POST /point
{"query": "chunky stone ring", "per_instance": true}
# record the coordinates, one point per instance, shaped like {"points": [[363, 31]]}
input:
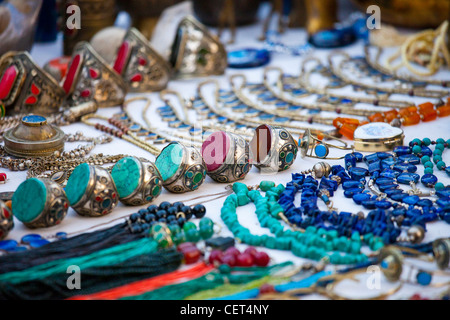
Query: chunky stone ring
{"points": [[39, 203], [91, 191], [272, 149], [182, 168], [26, 88], [6, 220], [226, 156], [140, 66], [138, 182], [89, 78]]}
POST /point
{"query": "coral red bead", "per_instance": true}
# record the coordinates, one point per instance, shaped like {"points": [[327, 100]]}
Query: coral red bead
{"points": [[261, 259], [244, 260], [3, 177], [233, 251], [185, 245], [266, 288], [229, 259], [215, 257], [251, 251], [191, 255]]}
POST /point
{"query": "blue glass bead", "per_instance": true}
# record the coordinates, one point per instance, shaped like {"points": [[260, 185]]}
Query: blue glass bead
{"points": [[358, 173], [383, 181], [388, 173], [406, 178], [350, 161], [350, 192], [38, 243], [388, 163], [402, 167], [383, 204], [411, 200], [383, 155], [352, 184], [402, 150], [385, 187], [8, 244], [248, 58], [426, 151], [371, 158], [336, 168], [324, 182], [410, 158], [30, 237], [399, 211], [425, 203], [61, 235], [444, 193], [374, 166], [429, 180], [359, 156], [369, 204], [343, 175], [423, 278], [360, 197], [390, 192], [399, 196], [443, 203]]}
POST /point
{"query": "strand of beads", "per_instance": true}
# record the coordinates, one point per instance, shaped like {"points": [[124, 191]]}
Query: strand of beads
{"points": [[386, 173], [314, 243], [345, 224], [417, 146]]}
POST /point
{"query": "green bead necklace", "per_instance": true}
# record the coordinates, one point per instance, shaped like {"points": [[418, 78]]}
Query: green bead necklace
{"points": [[314, 243]]}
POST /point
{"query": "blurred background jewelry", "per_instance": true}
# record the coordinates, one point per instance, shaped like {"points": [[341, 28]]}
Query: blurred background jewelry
{"points": [[6, 220], [91, 191], [333, 83], [89, 78], [376, 64], [315, 147], [406, 88], [39, 203], [140, 66], [196, 52], [34, 137], [26, 88]]}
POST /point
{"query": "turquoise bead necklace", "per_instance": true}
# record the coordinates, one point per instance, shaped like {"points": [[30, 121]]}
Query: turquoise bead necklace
{"points": [[314, 243], [439, 147]]}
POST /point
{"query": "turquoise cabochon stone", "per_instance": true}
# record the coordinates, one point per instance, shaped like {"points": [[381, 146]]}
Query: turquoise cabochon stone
{"points": [[169, 160], [77, 183], [126, 174], [28, 201]]}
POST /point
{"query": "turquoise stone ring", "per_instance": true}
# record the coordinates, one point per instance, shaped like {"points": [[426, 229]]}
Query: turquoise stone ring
{"points": [[39, 203], [138, 182], [91, 191], [182, 168]]}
